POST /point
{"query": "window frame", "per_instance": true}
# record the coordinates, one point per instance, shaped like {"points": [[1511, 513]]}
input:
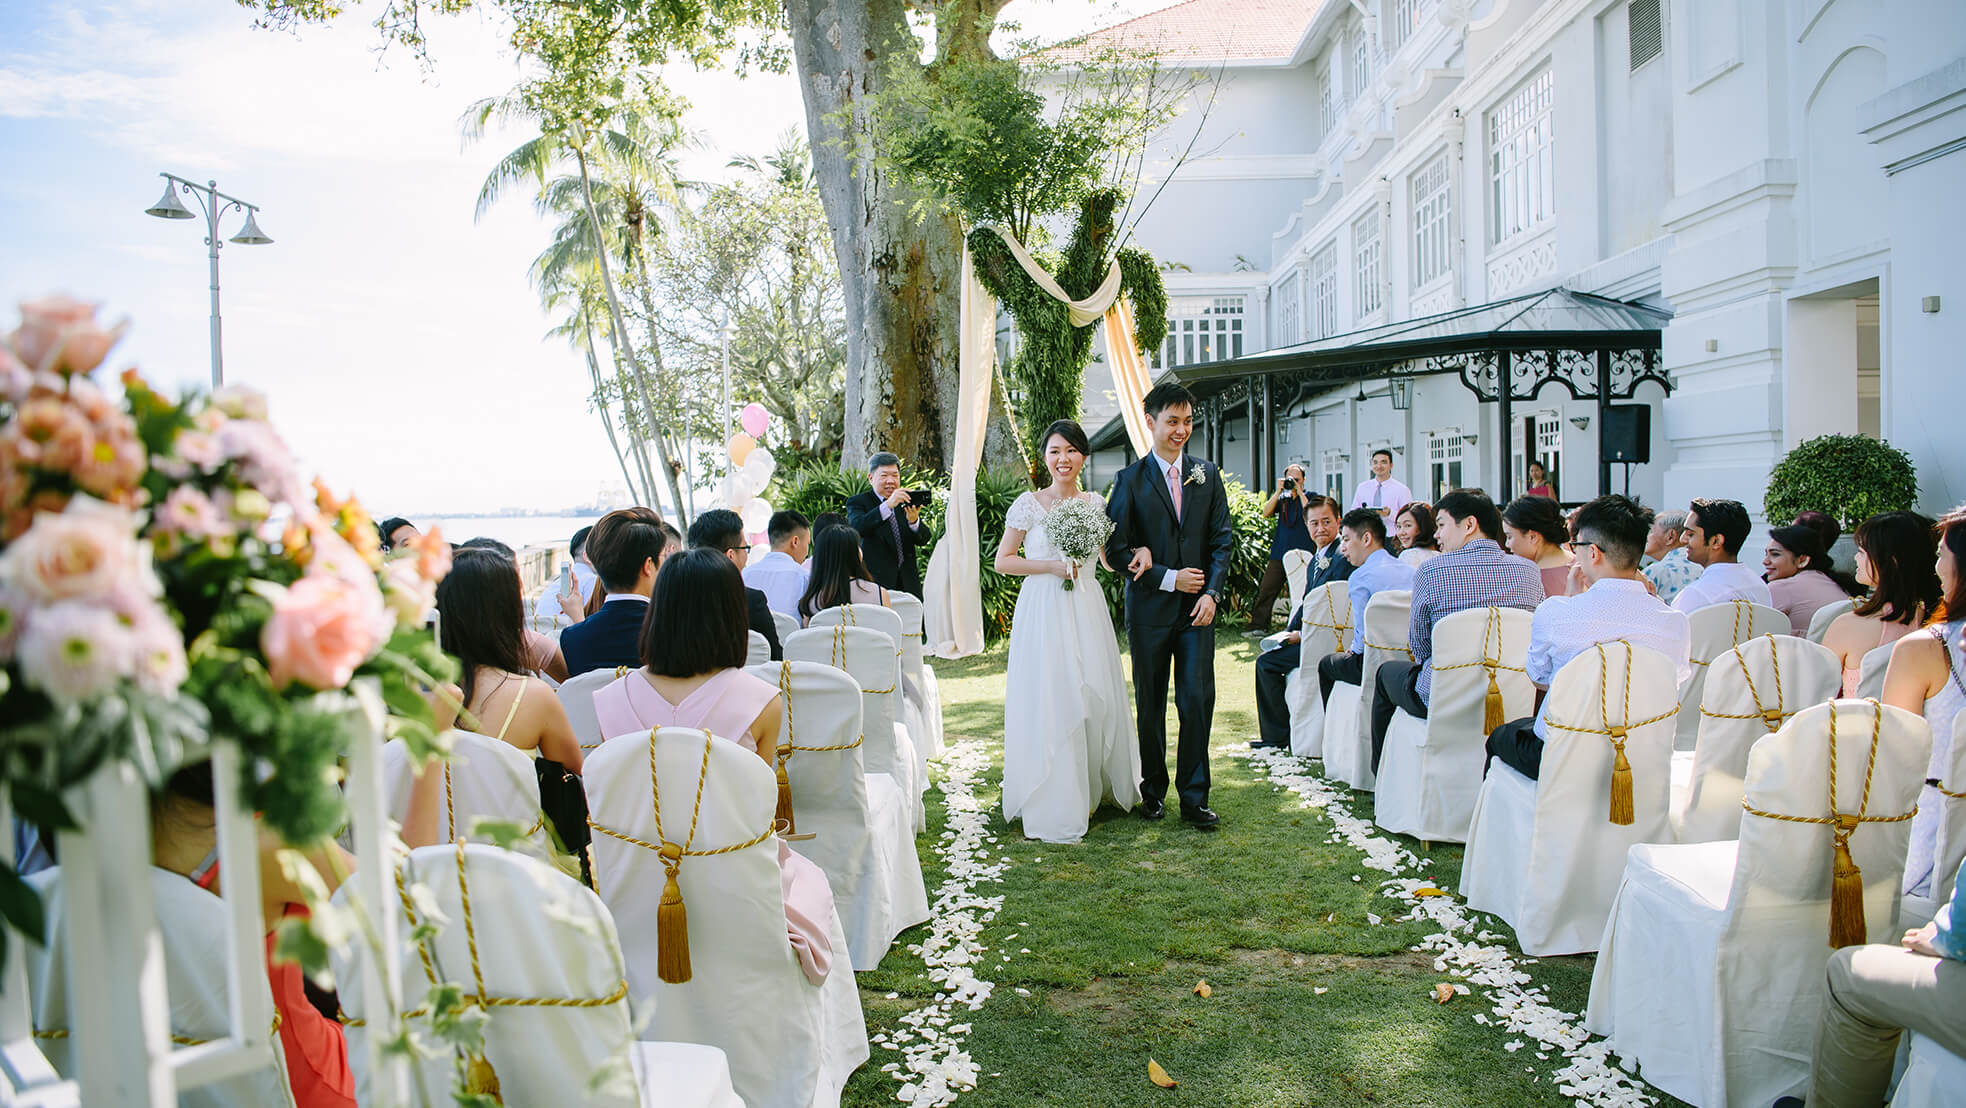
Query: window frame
{"points": [[1368, 264], [1433, 214], [1522, 160]]}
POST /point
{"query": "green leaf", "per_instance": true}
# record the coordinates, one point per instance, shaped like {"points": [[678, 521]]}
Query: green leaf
{"points": [[294, 941], [42, 807], [21, 905]]}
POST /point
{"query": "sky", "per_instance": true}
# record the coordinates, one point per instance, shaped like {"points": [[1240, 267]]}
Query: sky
{"points": [[402, 351]]}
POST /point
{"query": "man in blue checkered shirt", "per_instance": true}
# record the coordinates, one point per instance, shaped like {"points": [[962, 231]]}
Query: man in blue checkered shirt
{"points": [[1471, 572]]}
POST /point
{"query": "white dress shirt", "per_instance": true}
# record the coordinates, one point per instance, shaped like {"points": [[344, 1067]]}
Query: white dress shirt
{"points": [[547, 615], [1390, 494], [782, 579], [1614, 608], [1721, 582], [1177, 473]]}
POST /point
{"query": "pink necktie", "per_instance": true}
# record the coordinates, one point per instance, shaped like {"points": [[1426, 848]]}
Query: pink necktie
{"points": [[1174, 488]]}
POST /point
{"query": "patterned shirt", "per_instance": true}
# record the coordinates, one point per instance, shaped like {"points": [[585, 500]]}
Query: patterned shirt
{"points": [[1477, 575], [1721, 582], [1611, 609], [1381, 572], [1672, 573]]}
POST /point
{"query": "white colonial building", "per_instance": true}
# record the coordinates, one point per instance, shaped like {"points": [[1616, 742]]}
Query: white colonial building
{"points": [[1742, 216]]}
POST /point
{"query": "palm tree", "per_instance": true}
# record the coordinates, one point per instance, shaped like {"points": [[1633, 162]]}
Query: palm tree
{"points": [[622, 139], [581, 297]]}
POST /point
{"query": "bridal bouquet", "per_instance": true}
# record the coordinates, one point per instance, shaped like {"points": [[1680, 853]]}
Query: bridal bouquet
{"points": [[1079, 530]]}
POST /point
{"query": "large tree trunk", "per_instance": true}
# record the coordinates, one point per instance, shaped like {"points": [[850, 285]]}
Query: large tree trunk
{"points": [[902, 280]]}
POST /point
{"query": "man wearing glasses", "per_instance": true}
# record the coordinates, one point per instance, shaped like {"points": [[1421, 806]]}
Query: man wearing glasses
{"points": [[1608, 600]]}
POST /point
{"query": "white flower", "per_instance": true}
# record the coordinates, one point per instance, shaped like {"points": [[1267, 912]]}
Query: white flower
{"points": [[1197, 475], [74, 651]]}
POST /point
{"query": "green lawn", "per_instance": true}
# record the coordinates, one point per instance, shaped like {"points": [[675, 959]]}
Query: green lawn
{"points": [[1121, 927]]}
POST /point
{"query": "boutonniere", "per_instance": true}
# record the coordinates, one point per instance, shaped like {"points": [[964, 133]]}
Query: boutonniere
{"points": [[1323, 562], [1196, 476]]}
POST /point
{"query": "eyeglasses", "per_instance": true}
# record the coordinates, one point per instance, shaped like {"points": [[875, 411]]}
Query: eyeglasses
{"points": [[1573, 545]]}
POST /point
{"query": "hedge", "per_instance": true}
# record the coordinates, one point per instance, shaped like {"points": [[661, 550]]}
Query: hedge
{"points": [[1850, 477]]}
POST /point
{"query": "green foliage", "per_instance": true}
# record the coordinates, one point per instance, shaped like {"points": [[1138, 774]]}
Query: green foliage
{"points": [[1850, 477]]}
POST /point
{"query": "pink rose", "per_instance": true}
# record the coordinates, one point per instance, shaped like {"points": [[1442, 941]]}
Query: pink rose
{"points": [[87, 551], [321, 629], [59, 334]]}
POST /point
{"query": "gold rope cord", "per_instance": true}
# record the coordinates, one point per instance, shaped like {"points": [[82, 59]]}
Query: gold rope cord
{"points": [[1771, 718], [1491, 704], [1846, 893], [450, 807], [1340, 630], [838, 657], [176, 1040], [1740, 606], [1623, 807]]}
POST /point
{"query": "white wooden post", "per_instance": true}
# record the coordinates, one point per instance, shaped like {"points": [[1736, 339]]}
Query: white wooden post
{"points": [[23, 1068], [375, 888]]}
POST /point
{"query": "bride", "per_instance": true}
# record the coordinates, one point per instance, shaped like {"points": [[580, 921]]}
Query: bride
{"points": [[1068, 722]]}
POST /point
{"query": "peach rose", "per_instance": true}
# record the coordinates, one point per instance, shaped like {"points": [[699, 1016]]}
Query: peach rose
{"points": [[87, 551], [59, 334], [321, 630]]}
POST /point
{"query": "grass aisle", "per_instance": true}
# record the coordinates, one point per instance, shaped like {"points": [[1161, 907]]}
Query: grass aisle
{"points": [[1107, 939]]}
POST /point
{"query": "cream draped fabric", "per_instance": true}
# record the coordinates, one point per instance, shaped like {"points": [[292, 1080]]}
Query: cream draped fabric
{"points": [[953, 604]]}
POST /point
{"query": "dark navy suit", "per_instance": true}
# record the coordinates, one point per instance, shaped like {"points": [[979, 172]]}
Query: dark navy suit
{"points": [[608, 638]]}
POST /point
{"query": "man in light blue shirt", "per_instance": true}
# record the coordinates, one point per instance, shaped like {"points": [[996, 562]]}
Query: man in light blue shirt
{"points": [[1362, 540], [782, 574], [1609, 539]]}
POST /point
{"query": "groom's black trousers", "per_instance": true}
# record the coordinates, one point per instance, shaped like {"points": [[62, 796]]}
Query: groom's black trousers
{"points": [[1190, 653]]}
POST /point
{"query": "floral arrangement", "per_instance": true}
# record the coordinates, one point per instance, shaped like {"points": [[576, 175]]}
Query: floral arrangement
{"points": [[166, 582], [1079, 529]]}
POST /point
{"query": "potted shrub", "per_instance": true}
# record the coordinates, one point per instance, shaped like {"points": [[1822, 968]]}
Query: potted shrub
{"points": [[1850, 477]]}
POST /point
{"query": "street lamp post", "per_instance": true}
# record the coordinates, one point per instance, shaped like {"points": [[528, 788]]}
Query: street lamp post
{"points": [[214, 204]]}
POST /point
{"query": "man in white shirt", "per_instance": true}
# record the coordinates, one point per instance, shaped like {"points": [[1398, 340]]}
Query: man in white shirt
{"points": [[782, 574], [1382, 494], [555, 609], [1715, 532], [1610, 537]]}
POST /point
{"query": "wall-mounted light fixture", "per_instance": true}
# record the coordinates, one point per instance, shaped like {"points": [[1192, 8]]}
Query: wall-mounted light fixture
{"points": [[1580, 422], [1713, 346], [1402, 389], [1470, 438], [1929, 305]]}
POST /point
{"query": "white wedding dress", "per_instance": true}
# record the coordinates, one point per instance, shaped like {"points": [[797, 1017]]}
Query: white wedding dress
{"points": [[1068, 737]]}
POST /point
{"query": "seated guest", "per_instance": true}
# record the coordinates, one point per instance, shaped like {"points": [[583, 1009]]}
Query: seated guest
{"points": [[722, 530], [557, 609], [824, 520], [1826, 528], [396, 532], [1715, 533], [1928, 676], [1413, 529], [1363, 539], [1800, 577], [695, 644], [839, 576], [1471, 572], [1896, 560], [782, 574], [627, 547], [540, 653], [480, 608], [1533, 527], [1274, 667], [1666, 563], [1615, 604], [1876, 991], [890, 527]]}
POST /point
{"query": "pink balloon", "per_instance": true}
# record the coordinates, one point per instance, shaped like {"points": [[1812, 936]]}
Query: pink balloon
{"points": [[755, 419]]}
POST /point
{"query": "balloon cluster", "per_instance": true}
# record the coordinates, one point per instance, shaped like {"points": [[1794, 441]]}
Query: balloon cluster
{"points": [[751, 467]]}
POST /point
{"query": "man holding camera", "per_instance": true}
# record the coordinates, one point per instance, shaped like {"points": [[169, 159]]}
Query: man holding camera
{"points": [[1290, 506], [890, 526]]}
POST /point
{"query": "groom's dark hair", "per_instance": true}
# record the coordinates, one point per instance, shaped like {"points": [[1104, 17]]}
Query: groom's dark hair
{"points": [[1366, 521], [1165, 395]]}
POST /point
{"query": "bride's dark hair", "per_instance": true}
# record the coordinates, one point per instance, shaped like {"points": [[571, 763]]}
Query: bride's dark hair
{"points": [[1074, 437]]}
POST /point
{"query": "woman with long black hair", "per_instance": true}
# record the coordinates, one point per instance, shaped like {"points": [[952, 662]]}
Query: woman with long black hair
{"points": [[839, 574]]}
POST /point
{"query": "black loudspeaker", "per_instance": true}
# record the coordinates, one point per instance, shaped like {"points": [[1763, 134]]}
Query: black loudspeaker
{"points": [[1626, 434]]}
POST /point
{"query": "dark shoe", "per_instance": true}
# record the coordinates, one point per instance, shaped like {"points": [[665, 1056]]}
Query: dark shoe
{"points": [[1152, 809], [1788, 1102], [1199, 817], [1259, 744]]}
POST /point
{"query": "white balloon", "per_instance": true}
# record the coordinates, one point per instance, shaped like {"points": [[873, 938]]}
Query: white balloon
{"points": [[730, 493], [755, 513], [763, 461]]}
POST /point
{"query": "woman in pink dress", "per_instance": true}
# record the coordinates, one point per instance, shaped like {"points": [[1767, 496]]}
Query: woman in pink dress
{"points": [[1534, 528], [1800, 578], [694, 644], [1897, 560]]}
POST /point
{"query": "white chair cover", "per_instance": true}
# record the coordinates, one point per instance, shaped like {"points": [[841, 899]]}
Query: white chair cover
{"points": [[1430, 769], [1934, 1077], [1751, 691], [577, 697], [191, 923], [486, 778], [859, 823], [786, 625], [924, 695], [1296, 565], [1543, 854], [1870, 672], [1326, 629], [1717, 629], [529, 932], [790, 1044], [757, 649], [869, 655], [1826, 615], [1950, 850], [1348, 715], [1730, 938]]}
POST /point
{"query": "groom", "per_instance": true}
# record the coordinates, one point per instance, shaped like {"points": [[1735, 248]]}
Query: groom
{"points": [[1171, 531]]}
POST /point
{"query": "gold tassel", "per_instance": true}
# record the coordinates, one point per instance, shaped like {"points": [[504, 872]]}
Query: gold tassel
{"points": [[1846, 891], [480, 1079], [672, 923], [1491, 705], [784, 811], [1623, 812]]}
